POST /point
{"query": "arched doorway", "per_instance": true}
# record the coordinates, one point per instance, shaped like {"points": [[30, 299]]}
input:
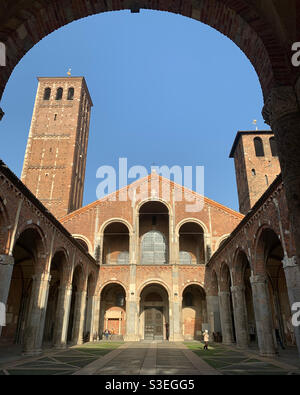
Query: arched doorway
{"points": [[154, 313], [113, 311], [194, 314], [115, 244], [26, 252], [154, 233], [191, 244]]}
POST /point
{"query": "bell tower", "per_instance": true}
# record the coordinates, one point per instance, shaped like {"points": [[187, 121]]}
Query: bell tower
{"points": [[256, 165], [55, 158]]}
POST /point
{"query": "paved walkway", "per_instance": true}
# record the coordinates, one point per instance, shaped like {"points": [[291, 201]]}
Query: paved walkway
{"points": [[150, 358]]}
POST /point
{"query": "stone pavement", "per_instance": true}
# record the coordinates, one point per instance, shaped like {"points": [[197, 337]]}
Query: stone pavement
{"points": [[150, 358]]}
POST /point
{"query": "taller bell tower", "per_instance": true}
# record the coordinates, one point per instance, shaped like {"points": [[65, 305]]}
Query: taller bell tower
{"points": [[55, 158]]}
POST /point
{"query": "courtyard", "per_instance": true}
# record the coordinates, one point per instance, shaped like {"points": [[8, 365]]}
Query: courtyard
{"points": [[150, 358]]}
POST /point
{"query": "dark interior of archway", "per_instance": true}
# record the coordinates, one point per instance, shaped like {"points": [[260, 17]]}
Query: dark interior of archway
{"points": [[278, 293], [24, 253], [191, 244], [116, 244], [76, 285], [57, 263], [194, 312]]}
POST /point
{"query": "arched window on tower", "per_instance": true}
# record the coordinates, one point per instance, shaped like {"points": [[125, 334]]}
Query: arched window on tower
{"points": [[59, 94], [273, 146], [259, 147], [47, 93], [70, 93]]}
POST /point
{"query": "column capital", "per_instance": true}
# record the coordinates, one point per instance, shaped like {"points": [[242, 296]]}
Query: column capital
{"points": [[238, 287], [223, 293], [289, 262], [6, 260], [258, 279], [282, 101]]}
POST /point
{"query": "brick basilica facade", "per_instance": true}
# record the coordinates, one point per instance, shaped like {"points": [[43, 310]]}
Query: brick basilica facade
{"points": [[145, 268]]}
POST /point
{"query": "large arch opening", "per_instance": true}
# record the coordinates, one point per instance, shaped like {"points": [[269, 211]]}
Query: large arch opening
{"points": [[243, 23], [191, 244], [27, 250], [154, 313], [154, 233], [194, 312], [115, 244], [113, 312], [270, 256]]}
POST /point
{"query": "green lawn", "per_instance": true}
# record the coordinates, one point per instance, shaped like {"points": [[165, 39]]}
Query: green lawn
{"points": [[231, 362], [63, 362]]}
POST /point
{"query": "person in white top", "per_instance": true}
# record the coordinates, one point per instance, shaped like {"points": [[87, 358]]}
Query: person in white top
{"points": [[206, 339]]}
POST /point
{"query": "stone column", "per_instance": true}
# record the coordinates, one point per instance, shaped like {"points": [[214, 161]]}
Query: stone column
{"points": [[132, 300], [94, 336], [33, 335], [79, 314], [292, 276], [263, 315], [282, 113], [175, 308], [240, 316], [213, 313], [6, 269], [225, 315], [62, 316]]}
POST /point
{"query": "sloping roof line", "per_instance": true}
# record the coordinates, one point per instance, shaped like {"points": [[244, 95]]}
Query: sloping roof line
{"points": [[172, 183]]}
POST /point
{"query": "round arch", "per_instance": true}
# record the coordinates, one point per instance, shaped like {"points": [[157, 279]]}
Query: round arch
{"points": [[115, 220], [194, 220], [85, 240], [259, 247], [221, 240], [196, 283], [154, 199], [240, 21], [154, 281], [35, 228], [111, 282]]}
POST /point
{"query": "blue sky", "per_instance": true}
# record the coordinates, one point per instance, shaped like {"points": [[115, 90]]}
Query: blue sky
{"points": [[166, 89]]}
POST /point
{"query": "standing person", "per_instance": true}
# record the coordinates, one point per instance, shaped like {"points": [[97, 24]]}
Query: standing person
{"points": [[206, 339], [167, 331], [106, 333]]}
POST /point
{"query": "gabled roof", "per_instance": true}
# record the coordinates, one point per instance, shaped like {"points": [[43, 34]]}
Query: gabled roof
{"points": [[162, 179]]}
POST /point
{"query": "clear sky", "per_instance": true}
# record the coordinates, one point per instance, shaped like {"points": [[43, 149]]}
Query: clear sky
{"points": [[166, 89]]}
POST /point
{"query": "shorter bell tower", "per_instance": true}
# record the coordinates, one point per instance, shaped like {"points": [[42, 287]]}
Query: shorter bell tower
{"points": [[256, 165]]}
